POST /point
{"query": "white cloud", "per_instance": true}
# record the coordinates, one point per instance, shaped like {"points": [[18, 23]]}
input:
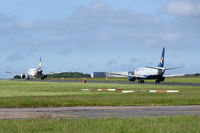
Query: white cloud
{"points": [[15, 57], [97, 25], [183, 7], [20, 26], [170, 37], [112, 62]]}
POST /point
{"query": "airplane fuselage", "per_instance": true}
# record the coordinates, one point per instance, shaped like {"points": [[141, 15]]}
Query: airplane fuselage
{"points": [[33, 72], [148, 73]]}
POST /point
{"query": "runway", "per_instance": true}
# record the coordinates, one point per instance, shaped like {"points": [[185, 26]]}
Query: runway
{"points": [[123, 82], [98, 112]]}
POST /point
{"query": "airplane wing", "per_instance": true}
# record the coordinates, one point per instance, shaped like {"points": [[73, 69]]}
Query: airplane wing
{"points": [[158, 68], [173, 68], [14, 72], [118, 74], [173, 75], [161, 68]]}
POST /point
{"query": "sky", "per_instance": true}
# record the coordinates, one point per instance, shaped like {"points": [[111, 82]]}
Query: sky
{"points": [[99, 35]]}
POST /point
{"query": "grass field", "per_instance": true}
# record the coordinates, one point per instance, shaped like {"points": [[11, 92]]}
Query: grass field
{"points": [[194, 79], [48, 94], [175, 124], [183, 80]]}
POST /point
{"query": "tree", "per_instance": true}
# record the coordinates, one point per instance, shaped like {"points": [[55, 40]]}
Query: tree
{"points": [[17, 77], [69, 75]]}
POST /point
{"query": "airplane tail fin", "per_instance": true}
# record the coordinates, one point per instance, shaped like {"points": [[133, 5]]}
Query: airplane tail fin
{"points": [[40, 63], [162, 59]]}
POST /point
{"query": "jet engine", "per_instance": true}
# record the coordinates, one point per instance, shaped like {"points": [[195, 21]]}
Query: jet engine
{"points": [[23, 76], [131, 78]]}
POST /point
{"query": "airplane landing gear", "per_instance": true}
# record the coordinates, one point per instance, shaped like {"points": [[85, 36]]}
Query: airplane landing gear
{"points": [[157, 81], [28, 78], [141, 81]]}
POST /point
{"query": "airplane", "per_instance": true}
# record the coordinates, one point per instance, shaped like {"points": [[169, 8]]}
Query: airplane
{"points": [[32, 73], [149, 72]]}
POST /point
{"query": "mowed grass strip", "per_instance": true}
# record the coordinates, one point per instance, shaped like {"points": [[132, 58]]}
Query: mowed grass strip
{"points": [[175, 124], [192, 79], [49, 94]]}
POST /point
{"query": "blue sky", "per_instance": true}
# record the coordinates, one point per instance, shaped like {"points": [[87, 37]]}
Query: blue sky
{"points": [[99, 35]]}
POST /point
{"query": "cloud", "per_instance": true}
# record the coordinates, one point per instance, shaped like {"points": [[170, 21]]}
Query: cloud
{"points": [[15, 57], [19, 26], [135, 60], [112, 62], [183, 7], [9, 23], [99, 26], [171, 36], [90, 27]]}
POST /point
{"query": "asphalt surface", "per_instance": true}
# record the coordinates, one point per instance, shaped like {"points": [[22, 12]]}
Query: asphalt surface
{"points": [[122, 82], [98, 112]]}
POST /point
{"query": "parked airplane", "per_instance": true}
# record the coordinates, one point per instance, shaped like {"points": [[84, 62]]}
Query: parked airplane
{"points": [[149, 72], [33, 72]]}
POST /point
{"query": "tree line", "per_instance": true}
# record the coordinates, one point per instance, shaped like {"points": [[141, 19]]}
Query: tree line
{"points": [[69, 75]]}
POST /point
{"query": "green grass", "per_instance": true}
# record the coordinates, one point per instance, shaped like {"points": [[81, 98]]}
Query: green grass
{"points": [[175, 124], [184, 80], [194, 79], [48, 94]]}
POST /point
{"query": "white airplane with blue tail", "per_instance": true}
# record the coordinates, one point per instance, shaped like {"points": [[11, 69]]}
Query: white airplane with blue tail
{"points": [[151, 73]]}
